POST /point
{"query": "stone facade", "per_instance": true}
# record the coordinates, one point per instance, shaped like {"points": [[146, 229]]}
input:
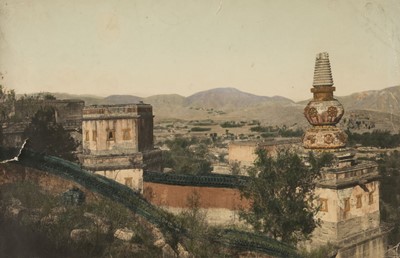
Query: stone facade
{"points": [[118, 142]]}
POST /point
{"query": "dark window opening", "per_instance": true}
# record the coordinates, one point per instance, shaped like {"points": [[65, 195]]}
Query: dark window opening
{"points": [[110, 135]]}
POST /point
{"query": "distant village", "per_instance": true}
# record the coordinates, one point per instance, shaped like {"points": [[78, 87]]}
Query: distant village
{"points": [[168, 162]]}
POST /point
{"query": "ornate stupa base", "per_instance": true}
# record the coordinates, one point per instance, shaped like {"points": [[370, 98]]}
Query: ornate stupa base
{"points": [[324, 137], [343, 157]]}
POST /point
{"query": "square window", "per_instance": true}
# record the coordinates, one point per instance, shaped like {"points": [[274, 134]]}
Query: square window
{"points": [[371, 198], [359, 201], [346, 204], [94, 135], [110, 135], [323, 204], [86, 136], [126, 134]]}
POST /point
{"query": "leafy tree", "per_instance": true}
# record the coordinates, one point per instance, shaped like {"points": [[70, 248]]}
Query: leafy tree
{"points": [[281, 191], [187, 156], [291, 133], [7, 100], [389, 169], [376, 138], [200, 129], [235, 168], [49, 96], [230, 124], [45, 135], [261, 129], [324, 251]]}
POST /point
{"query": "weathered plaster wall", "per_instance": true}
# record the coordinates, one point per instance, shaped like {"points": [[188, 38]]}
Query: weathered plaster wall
{"points": [[214, 216], [176, 196], [100, 144], [132, 178], [336, 202], [374, 247], [243, 153]]}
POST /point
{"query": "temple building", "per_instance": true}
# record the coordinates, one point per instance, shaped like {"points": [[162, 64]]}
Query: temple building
{"points": [[118, 142], [348, 191], [243, 153]]}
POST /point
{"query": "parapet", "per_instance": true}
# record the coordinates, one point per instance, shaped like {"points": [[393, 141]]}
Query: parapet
{"points": [[97, 112]]}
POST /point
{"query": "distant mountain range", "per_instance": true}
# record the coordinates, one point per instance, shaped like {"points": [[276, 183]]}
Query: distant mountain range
{"points": [[230, 103]]}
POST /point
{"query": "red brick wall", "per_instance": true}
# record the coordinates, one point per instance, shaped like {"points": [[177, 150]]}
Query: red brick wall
{"points": [[177, 196], [12, 173]]}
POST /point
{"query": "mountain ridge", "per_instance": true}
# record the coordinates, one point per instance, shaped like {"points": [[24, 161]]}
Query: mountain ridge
{"points": [[230, 103]]}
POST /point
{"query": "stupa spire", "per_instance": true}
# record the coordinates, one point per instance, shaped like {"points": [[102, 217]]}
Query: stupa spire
{"points": [[322, 71]]}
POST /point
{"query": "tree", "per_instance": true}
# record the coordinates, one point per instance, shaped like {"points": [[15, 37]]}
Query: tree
{"points": [[7, 100], [389, 169], [281, 191], [187, 156], [45, 135]]}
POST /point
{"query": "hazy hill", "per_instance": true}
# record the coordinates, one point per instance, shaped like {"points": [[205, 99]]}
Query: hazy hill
{"points": [[121, 99], [382, 106], [386, 100], [167, 106], [165, 100], [228, 99]]}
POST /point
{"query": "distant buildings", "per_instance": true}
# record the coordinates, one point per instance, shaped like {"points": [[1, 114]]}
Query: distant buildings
{"points": [[243, 153]]}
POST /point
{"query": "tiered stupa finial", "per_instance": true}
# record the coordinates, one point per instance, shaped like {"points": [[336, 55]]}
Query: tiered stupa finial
{"points": [[322, 71], [324, 111]]}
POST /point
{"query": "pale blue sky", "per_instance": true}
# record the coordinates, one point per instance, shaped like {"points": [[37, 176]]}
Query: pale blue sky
{"points": [[146, 47]]}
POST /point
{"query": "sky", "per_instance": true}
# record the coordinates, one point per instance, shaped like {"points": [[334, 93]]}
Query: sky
{"points": [[147, 47]]}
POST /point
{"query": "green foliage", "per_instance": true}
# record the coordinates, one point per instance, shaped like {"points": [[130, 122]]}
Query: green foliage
{"points": [[389, 168], [230, 124], [38, 96], [193, 219], [270, 131], [235, 168], [57, 221], [260, 129], [7, 100], [290, 133], [268, 135], [29, 194], [202, 123], [380, 139], [188, 156], [325, 251], [48, 96], [126, 197], [45, 135], [200, 129], [281, 190]]}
